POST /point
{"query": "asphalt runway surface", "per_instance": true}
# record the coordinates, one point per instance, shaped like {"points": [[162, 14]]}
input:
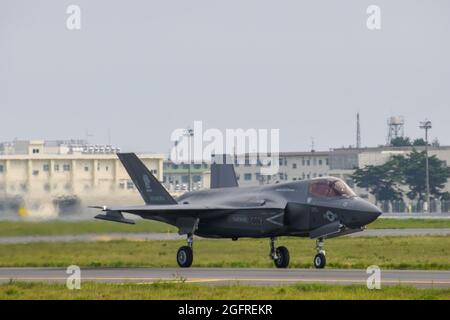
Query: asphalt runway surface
{"points": [[220, 276], [175, 236]]}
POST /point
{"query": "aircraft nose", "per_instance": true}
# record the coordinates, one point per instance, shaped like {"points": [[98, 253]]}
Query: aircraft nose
{"points": [[370, 213], [365, 212]]}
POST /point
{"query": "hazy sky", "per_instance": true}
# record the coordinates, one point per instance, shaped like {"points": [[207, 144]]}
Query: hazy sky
{"points": [[140, 69]]}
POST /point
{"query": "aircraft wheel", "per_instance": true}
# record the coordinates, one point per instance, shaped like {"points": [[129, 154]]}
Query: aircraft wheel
{"points": [[185, 256], [320, 261], [282, 260]]}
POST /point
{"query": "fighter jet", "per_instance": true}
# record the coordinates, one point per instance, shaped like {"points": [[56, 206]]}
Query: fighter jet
{"points": [[320, 209]]}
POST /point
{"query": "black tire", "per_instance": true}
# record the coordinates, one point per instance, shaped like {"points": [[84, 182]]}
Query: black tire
{"points": [[282, 260], [185, 256], [320, 261]]}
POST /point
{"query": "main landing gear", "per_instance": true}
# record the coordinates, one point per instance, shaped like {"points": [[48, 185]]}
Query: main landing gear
{"points": [[185, 254], [280, 255], [319, 260]]}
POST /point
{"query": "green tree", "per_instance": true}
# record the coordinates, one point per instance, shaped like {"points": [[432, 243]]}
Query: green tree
{"points": [[412, 168], [419, 142], [382, 181], [401, 142]]}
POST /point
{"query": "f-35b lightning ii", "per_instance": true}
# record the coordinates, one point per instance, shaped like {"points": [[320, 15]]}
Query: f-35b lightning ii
{"points": [[320, 209]]}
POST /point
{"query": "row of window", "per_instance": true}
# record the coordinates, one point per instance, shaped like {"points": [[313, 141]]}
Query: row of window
{"points": [[184, 179], [24, 187], [247, 162], [280, 176], [284, 162], [186, 166], [307, 162], [45, 167], [65, 167], [126, 185], [68, 186]]}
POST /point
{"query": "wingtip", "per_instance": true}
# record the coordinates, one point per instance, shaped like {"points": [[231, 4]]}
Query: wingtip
{"points": [[103, 208]]}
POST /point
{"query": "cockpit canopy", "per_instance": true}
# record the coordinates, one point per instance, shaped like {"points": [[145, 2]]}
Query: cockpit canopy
{"points": [[330, 188]]}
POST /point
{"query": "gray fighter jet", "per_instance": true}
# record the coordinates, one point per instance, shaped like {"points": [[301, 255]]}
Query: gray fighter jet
{"points": [[320, 208]]}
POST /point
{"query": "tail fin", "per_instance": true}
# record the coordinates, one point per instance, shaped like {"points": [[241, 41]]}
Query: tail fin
{"points": [[223, 175], [151, 190]]}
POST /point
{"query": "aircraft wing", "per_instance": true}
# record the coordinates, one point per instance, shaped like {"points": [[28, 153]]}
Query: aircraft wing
{"points": [[184, 216], [193, 210]]}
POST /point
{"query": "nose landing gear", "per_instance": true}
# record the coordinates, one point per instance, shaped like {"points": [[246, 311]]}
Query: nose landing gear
{"points": [[280, 255], [319, 260], [185, 254]]}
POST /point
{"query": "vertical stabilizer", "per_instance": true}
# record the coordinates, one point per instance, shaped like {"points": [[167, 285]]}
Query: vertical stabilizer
{"points": [[151, 190], [223, 175]]}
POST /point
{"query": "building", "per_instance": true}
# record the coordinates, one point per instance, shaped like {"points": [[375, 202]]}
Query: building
{"points": [[45, 170], [176, 176], [292, 166]]}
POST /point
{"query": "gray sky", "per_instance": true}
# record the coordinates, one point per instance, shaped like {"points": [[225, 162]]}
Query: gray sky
{"points": [[140, 69]]}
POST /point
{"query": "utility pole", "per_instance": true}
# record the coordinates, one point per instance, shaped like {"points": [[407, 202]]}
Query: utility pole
{"points": [[358, 132], [189, 133], [426, 125]]}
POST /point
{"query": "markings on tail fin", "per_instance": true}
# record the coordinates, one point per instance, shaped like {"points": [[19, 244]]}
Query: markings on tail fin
{"points": [[147, 183], [151, 190]]}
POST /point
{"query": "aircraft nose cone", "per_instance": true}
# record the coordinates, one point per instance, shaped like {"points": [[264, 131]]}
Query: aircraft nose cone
{"points": [[370, 214]]}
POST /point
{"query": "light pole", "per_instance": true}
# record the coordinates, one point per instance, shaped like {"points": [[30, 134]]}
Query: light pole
{"points": [[189, 133], [426, 125]]}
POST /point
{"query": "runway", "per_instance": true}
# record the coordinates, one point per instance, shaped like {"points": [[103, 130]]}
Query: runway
{"points": [[175, 236], [220, 276]]}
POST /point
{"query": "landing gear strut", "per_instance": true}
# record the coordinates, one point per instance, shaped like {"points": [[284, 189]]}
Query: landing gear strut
{"points": [[185, 254], [280, 255], [320, 260]]}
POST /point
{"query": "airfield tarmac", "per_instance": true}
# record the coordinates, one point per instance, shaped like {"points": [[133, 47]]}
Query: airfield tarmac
{"points": [[221, 276]]}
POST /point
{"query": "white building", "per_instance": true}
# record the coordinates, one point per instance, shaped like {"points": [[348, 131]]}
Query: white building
{"points": [[41, 170], [292, 166], [176, 176]]}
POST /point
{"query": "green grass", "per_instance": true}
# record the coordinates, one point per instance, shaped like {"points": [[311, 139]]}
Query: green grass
{"points": [[409, 223], [425, 252], [48, 228], [58, 227], [175, 291]]}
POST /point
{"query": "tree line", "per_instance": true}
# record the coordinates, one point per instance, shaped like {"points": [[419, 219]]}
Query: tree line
{"points": [[387, 181]]}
